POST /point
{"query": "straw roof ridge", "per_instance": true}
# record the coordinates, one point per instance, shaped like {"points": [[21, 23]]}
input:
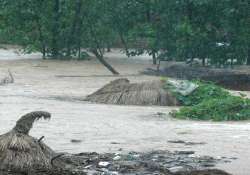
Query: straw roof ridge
{"points": [[20, 152], [25, 123]]}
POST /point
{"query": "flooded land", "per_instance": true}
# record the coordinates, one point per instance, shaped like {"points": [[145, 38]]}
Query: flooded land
{"points": [[59, 87]]}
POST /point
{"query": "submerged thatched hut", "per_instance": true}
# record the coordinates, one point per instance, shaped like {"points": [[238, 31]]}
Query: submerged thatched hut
{"points": [[20, 152], [122, 92]]}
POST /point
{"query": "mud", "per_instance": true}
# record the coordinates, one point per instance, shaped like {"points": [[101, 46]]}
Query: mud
{"points": [[59, 86]]}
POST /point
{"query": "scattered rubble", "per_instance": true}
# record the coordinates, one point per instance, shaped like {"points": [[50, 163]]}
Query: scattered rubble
{"points": [[156, 162]]}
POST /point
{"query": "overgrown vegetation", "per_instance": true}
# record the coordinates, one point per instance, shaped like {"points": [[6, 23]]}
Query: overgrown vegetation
{"points": [[211, 102]]}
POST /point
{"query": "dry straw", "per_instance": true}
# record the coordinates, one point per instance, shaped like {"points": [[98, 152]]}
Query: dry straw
{"points": [[20, 152], [122, 92]]}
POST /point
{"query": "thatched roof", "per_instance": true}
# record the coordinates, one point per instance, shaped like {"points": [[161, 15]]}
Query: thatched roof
{"points": [[20, 152], [122, 92]]}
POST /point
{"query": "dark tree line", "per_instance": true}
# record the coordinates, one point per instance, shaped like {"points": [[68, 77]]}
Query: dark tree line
{"points": [[216, 32]]}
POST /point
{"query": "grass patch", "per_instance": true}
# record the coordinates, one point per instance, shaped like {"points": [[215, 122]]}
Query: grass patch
{"points": [[211, 102]]}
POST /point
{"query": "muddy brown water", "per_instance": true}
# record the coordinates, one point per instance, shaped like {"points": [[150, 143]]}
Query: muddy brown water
{"points": [[42, 85]]}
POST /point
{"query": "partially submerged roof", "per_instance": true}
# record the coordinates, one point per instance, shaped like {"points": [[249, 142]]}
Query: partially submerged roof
{"points": [[20, 152], [122, 92]]}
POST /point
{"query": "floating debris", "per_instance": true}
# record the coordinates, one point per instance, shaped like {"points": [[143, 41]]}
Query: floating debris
{"points": [[8, 79], [186, 142]]}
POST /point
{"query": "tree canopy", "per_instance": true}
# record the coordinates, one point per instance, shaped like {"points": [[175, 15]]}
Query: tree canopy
{"points": [[217, 32]]}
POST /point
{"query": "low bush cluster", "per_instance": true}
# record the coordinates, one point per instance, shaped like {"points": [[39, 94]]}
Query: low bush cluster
{"points": [[211, 102]]}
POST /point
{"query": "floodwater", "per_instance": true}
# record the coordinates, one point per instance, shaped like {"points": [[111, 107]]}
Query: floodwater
{"points": [[60, 86]]}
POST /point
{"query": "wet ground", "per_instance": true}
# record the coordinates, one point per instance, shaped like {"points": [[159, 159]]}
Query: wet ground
{"points": [[77, 126]]}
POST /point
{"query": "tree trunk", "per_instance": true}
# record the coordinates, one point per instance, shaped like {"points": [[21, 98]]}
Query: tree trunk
{"points": [[154, 58], [79, 30], [98, 52], [108, 47], [188, 53], [55, 30], [248, 56], [42, 41], [77, 16], [148, 11], [79, 52], [124, 44], [120, 33], [38, 21], [203, 62], [44, 52], [104, 62]]}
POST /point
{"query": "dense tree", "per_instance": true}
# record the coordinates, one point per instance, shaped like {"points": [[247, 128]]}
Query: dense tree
{"points": [[217, 32]]}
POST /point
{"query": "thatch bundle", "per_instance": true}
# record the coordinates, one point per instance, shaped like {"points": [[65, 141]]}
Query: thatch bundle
{"points": [[121, 91], [20, 152]]}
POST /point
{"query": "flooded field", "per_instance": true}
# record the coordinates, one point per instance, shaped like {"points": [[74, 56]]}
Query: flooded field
{"points": [[60, 86]]}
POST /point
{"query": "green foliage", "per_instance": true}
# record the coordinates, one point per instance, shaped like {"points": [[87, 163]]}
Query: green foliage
{"points": [[211, 102], [218, 31], [204, 92], [218, 109]]}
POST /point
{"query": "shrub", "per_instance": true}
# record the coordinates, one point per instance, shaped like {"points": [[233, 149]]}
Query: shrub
{"points": [[224, 109], [211, 102], [205, 91]]}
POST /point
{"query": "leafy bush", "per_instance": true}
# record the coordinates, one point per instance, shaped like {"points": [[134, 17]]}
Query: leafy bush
{"points": [[205, 91], [211, 102], [228, 108]]}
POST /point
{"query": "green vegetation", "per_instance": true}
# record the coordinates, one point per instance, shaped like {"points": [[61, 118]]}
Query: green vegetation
{"points": [[216, 32], [205, 91], [225, 109], [211, 102]]}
